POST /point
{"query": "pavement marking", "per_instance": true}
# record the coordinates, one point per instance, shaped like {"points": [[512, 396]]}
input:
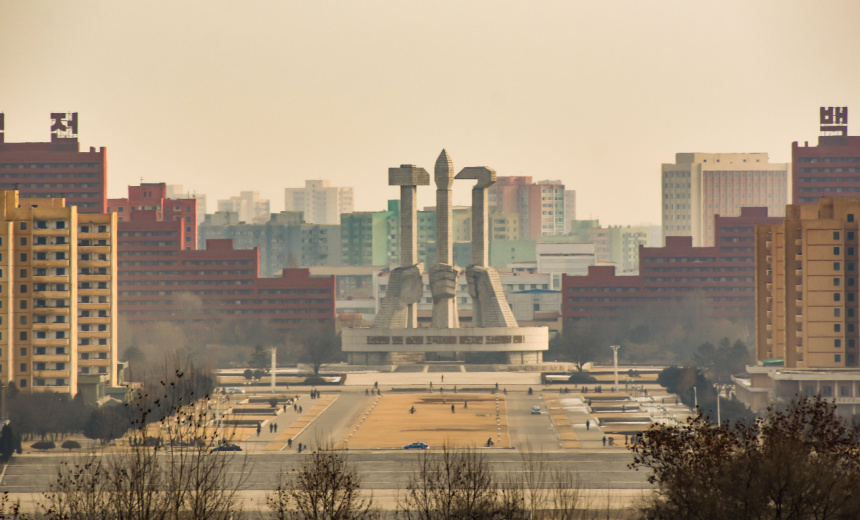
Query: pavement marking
{"points": [[301, 423]]}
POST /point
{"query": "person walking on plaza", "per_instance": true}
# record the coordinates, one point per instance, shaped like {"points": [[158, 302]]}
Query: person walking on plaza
{"points": [[604, 440], [587, 425], [452, 408], [259, 428], [289, 443]]}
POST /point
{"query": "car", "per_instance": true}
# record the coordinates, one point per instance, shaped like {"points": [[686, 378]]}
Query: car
{"points": [[226, 447], [417, 446], [536, 410], [233, 390]]}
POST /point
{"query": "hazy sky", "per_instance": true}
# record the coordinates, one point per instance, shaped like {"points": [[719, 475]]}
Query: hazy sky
{"points": [[223, 96]]}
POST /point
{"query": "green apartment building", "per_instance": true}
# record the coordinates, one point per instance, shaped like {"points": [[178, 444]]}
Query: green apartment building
{"points": [[371, 237]]}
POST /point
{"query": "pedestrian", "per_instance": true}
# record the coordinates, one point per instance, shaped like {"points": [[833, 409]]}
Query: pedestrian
{"points": [[441, 390], [285, 407], [443, 378], [295, 407], [431, 385], [587, 425], [289, 443], [300, 409], [623, 408], [452, 408], [505, 391], [625, 439], [455, 389], [497, 386], [465, 404], [530, 390], [276, 427], [259, 428], [612, 441], [366, 392], [375, 384], [604, 440], [271, 427]]}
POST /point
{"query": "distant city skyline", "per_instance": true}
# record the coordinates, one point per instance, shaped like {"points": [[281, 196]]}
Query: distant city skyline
{"points": [[261, 97]]}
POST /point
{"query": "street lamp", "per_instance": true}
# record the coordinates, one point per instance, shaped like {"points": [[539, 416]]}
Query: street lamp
{"points": [[615, 361]]}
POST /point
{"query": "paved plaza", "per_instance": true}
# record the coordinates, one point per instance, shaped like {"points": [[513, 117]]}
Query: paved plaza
{"points": [[369, 416]]}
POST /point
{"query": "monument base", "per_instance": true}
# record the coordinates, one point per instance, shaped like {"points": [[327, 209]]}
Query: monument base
{"points": [[514, 345]]}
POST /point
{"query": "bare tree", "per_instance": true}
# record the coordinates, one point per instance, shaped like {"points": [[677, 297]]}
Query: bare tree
{"points": [[326, 486], [318, 345], [167, 470], [457, 484]]}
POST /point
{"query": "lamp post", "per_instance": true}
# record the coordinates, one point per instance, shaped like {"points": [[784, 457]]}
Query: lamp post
{"points": [[615, 362], [274, 367], [695, 397]]}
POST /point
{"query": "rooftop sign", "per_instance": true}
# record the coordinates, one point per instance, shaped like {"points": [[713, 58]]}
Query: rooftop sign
{"points": [[834, 119]]}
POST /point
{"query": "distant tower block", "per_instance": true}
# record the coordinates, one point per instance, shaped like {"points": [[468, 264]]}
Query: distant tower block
{"points": [[401, 298]]}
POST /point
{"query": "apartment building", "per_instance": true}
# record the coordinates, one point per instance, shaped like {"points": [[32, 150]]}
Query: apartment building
{"points": [[59, 301], [320, 202], [699, 186], [56, 169]]}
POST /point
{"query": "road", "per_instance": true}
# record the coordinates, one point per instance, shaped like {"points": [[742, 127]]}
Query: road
{"points": [[379, 470]]}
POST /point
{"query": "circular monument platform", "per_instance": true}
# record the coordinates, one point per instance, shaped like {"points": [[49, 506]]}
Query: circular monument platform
{"points": [[521, 345]]}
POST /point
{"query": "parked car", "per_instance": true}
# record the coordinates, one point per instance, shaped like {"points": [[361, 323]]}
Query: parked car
{"points": [[416, 446], [536, 410], [226, 447], [233, 390]]}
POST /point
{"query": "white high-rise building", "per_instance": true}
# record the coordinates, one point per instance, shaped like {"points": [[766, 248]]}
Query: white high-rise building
{"points": [[178, 191], [250, 207], [320, 202], [700, 185]]}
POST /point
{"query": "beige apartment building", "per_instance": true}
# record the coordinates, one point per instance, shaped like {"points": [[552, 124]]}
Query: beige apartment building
{"points": [[807, 286], [699, 186], [58, 294]]}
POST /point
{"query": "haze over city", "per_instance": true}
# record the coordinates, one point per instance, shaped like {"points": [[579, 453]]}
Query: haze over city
{"points": [[220, 96]]}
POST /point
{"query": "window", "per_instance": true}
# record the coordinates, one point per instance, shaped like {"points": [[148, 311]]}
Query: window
{"points": [[23, 304], [844, 391], [23, 367], [23, 383], [837, 327], [23, 241], [837, 343], [850, 313], [837, 297], [827, 390], [837, 312], [22, 335], [24, 226], [836, 250], [836, 282], [850, 251], [23, 289], [851, 297], [23, 257], [837, 358], [836, 235], [836, 266], [851, 217], [850, 327], [850, 235]]}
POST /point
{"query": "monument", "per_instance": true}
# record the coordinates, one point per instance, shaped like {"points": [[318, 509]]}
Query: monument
{"points": [[395, 337]]}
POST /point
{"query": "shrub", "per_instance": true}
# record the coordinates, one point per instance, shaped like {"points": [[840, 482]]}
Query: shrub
{"points": [[314, 380], [249, 374], [581, 377], [43, 445], [71, 445], [273, 402]]}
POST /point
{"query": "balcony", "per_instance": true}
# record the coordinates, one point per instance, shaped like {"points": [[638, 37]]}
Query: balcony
{"points": [[51, 342], [51, 311], [52, 295], [51, 358], [48, 248], [51, 373], [51, 263], [51, 326], [51, 279], [94, 249], [39, 232]]}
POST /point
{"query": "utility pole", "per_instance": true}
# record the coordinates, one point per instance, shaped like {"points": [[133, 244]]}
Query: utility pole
{"points": [[615, 361], [274, 367]]}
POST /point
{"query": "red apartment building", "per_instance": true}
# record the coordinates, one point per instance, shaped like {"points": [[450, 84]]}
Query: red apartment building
{"points": [[157, 264], [151, 202], [831, 169], [724, 274], [56, 169]]}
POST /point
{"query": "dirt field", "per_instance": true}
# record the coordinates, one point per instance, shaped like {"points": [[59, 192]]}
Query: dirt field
{"points": [[388, 424]]}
